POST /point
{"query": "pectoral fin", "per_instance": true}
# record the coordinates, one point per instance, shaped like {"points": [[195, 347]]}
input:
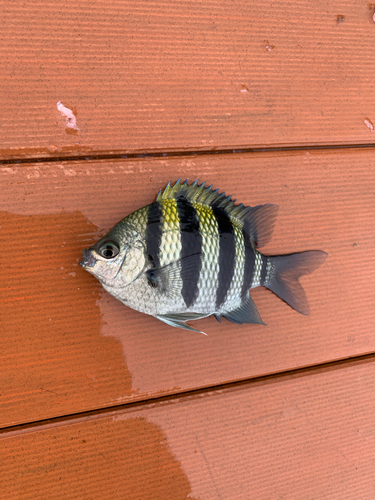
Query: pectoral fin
{"points": [[168, 279]]}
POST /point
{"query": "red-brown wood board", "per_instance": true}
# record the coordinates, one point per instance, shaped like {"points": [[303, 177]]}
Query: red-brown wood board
{"points": [[150, 75], [98, 401], [67, 346], [310, 435]]}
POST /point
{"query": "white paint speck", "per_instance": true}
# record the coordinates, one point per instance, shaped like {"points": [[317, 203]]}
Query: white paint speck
{"points": [[269, 46], [369, 124], [68, 172], [70, 119], [33, 173], [8, 170]]}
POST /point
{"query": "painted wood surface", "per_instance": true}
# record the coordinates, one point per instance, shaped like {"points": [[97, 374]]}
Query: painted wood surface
{"points": [[310, 435], [84, 78], [99, 401], [68, 346]]}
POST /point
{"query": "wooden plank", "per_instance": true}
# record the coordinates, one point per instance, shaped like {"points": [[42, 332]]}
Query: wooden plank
{"points": [[142, 76], [68, 346], [298, 437]]}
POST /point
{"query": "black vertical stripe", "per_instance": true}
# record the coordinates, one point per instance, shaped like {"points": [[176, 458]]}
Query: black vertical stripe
{"points": [[263, 272], [153, 233], [191, 250], [227, 254], [249, 265]]}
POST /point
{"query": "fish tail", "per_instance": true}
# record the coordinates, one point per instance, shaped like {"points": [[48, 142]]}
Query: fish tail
{"points": [[284, 273]]}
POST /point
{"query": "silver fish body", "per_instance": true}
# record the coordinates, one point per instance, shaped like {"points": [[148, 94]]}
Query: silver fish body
{"points": [[193, 253]]}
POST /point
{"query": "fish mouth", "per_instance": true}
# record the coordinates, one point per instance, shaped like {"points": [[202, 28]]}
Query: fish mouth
{"points": [[88, 260]]}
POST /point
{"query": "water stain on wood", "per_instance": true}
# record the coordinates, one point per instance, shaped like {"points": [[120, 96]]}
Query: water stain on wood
{"points": [[51, 321], [97, 459]]}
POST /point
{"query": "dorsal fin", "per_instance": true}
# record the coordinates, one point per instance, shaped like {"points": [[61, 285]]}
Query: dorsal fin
{"points": [[258, 222], [196, 193]]}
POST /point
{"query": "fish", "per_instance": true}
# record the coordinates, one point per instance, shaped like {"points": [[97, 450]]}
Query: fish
{"points": [[194, 253]]}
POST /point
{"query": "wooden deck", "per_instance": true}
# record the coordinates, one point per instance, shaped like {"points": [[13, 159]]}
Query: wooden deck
{"points": [[101, 105]]}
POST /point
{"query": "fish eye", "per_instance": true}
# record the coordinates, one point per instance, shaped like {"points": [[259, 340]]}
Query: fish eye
{"points": [[109, 249]]}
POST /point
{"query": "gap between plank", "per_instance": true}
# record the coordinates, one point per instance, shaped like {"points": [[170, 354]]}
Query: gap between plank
{"points": [[181, 153], [185, 395]]}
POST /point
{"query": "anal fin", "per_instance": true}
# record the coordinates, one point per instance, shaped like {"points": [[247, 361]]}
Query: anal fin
{"points": [[246, 313]]}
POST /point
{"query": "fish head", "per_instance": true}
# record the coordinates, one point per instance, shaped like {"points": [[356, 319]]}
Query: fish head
{"points": [[117, 259]]}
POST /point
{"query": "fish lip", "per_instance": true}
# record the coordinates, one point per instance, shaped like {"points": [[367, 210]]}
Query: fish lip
{"points": [[88, 260]]}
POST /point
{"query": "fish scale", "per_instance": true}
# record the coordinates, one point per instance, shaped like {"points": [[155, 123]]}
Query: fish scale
{"points": [[193, 253], [257, 270], [233, 298], [170, 247], [210, 253]]}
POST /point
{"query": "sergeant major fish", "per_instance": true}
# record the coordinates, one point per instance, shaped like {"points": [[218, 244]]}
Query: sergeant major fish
{"points": [[193, 253]]}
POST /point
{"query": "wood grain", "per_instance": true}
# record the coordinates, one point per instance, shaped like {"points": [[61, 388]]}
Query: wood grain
{"points": [[161, 76], [305, 436], [67, 346]]}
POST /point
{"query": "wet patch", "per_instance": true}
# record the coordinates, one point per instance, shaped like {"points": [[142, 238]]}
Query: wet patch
{"points": [[54, 358]]}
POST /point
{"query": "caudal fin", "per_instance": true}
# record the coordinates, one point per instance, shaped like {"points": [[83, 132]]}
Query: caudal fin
{"points": [[285, 270]]}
